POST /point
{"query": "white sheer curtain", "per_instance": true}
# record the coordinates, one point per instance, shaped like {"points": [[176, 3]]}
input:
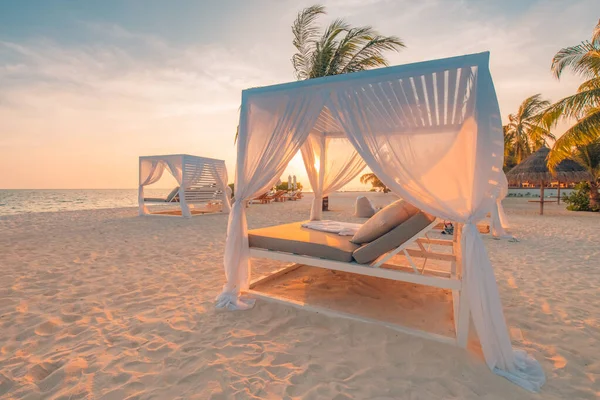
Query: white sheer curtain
{"points": [[437, 142], [499, 222], [220, 175], [273, 127], [331, 162], [175, 164], [150, 172]]}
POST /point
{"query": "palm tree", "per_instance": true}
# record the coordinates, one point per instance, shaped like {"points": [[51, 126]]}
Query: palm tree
{"points": [[340, 49], [584, 106], [509, 154], [374, 181], [589, 157], [523, 133]]}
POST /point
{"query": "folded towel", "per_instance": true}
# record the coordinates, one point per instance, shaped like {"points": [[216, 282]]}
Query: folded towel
{"points": [[341, 228]]}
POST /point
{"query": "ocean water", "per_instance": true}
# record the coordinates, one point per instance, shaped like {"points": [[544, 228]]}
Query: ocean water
{"points": [[17, 201]]}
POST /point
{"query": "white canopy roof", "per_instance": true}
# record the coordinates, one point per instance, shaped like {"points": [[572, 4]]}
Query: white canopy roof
{"points": [[426, 96], [431, 131]]}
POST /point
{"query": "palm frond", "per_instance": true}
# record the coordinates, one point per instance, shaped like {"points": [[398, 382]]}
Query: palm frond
{"points": [[596, 34], [573, 106], [526, 132], [588, 156], [585, 131], [581, 59], [366, 178], [590, 84], [538, 135], [305, 34], [326, 49], [339, 49], [371, 54], [348, 46]]}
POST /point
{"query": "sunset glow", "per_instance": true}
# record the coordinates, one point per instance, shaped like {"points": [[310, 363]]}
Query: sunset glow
{"points": [[86, 91]]}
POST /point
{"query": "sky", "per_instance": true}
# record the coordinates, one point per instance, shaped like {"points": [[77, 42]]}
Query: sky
{"points": [[86, 87]]}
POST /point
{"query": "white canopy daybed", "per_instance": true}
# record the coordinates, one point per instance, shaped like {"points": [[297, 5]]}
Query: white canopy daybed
{"points": [[201, 181], [431, 131]]}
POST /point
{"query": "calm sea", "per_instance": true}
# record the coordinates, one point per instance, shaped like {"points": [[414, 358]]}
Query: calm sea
{"points": [[16, 201]]}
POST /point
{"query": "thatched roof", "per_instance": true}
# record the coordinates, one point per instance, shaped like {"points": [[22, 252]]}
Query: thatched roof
{"points": [[534, 169]]}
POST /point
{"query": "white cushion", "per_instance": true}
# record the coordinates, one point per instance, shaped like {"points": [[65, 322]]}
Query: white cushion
{"points": [[384, 221], [363, 207]]}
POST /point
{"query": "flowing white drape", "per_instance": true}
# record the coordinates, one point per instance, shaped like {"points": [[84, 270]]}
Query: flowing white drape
{"points": [[331, 162], [150, 172], [220, 175], [499, 222], [279, 125], [449, 172], [175, 165]]}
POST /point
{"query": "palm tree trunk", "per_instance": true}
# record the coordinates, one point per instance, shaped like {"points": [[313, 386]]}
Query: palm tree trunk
{"points": [[542, 198], [594, 195]]}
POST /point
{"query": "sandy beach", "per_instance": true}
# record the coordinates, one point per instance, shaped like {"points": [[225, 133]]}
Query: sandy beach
{"points": [[104, 304]]}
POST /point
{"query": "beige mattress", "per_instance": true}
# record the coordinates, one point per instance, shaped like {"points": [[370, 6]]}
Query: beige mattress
{"points": [[293, 238]]}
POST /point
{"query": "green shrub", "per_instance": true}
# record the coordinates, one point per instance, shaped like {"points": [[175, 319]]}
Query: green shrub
{"points": [[579, 199], [284, 186]]}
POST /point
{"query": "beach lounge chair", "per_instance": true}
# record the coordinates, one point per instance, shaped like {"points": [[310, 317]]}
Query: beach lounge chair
{"points": [[172, 197], [262, 199], [279, 196], [303, 246], [293, 195], [290, 196]]}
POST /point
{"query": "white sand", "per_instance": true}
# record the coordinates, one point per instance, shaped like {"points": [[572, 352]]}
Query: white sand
{"points": [[104, 304]]}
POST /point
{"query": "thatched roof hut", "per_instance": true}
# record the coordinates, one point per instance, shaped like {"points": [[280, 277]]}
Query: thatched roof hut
{"points": [[535, 170]]}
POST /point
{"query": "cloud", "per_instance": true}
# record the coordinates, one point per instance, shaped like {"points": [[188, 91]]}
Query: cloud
{"points": [[82, 111], [97, 103]]}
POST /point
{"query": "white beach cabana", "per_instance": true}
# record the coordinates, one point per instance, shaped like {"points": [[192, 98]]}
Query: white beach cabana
{"points": [[431, 131], [202, 182]]}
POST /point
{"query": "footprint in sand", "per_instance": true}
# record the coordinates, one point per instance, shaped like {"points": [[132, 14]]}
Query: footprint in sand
{"points": [[76, 367], [5, 384], [546, 307], [121, 378], [39, 372], [23, 307], [47, 328], [69, 318]]}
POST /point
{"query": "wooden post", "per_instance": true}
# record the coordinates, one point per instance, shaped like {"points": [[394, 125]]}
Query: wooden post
{"points": [[460, 299], [558, 195], [542, 198]]}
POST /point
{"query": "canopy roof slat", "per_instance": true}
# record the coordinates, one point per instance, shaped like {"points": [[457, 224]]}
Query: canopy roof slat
{"points": [[411, 104]]}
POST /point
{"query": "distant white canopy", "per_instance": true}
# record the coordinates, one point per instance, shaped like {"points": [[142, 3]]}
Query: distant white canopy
{"points": [[200, 179], [431, 131]]}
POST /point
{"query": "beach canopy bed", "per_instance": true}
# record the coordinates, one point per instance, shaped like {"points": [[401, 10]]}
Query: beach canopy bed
{"points": [[202, 183], [431, 131]]}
